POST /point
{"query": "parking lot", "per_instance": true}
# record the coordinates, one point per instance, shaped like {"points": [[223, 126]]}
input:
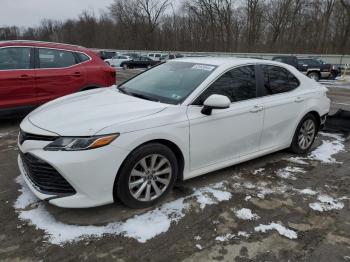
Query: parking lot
{"points": [[280, 207]]}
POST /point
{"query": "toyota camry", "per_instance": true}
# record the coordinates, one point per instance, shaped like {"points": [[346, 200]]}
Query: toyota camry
{"points": [[176, 121]]}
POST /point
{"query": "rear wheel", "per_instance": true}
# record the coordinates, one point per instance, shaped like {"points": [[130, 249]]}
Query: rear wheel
{"points": [[147, 175], [304, 135]]}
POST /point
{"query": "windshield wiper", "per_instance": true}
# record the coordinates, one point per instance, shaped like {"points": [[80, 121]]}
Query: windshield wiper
{"points": [[122, 90], [143, 97]]}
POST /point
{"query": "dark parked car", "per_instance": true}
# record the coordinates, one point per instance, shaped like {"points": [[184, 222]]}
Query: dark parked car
{"points": [[335, 69], [309, 66], [139, 62], [33, 73]]}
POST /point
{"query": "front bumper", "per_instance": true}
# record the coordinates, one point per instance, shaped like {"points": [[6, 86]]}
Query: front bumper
{"points": [[91, 173]]}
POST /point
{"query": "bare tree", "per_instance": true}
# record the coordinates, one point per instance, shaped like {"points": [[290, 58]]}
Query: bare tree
{"points": [[288, 26]]}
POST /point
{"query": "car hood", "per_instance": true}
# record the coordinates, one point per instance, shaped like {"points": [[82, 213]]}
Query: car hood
{"points": [[85, 113]]}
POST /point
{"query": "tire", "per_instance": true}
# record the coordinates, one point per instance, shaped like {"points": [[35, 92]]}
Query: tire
{"points": [[149, 67], [314, 75], [135, 181], [125, 66], [310, 123]]}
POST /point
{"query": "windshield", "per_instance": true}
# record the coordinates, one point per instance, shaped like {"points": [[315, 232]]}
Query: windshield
{"points": [[168, 83]]}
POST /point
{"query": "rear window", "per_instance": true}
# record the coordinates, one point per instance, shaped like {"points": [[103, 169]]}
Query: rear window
{"points": [[53, 58], [278, 80], [83, 57]]}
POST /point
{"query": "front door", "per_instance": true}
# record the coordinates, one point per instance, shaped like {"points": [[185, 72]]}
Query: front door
{"points": [[227, 134]]}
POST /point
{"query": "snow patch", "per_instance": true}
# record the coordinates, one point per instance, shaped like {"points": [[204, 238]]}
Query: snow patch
{"points": [[197, 238], [211, 195], [328, 148], [308, 191], [140, 227], [246, 214], [297, 160], [230, 236], [247, 198], [283, 231], [326, 203], [259, 171], [225, 237], [287, 172], [199, 246], [243, 234], [26, 198]]}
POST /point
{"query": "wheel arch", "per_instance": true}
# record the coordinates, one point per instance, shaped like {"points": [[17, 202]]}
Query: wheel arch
{"points": [[317, 116], [171, 145]]}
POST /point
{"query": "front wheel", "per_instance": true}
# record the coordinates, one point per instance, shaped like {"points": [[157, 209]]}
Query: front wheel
{"points": [[314, 75], [147, 175], [125, 66], [304, 135]]}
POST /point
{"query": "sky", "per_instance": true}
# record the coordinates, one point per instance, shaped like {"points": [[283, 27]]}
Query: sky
{"points": [[30, 12]]}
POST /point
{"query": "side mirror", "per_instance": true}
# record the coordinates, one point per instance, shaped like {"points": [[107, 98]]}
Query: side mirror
{"points": [[215, 102]]}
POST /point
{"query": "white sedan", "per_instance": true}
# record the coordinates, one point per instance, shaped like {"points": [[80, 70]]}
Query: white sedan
{"points": [[179, 120], [117, 60]]}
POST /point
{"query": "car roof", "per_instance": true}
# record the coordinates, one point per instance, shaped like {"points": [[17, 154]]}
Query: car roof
{"points": [[42, 44], [219, 61]]}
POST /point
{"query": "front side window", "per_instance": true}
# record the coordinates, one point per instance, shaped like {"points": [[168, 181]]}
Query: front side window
{"points": [[237, 84], [278, 80], [53, 58], [169, 82], [12, 58]]}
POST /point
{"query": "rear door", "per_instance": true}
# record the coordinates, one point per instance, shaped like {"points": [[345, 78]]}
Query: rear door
{"points": [[17, 86], [57, 73], [283, 104]]}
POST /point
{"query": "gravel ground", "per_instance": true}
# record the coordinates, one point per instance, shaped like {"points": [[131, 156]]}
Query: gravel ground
{"points": [[280, 207]]}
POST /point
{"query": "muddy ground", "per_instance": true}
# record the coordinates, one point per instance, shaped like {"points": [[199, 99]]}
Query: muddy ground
{"points": [[271, 187]]}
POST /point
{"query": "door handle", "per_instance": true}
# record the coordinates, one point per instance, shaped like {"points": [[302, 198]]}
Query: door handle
{"points": [[77, 74], [24, 77], [299, 99], [256, 109]]}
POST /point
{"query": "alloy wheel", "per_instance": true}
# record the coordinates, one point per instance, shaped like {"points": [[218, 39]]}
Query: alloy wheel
{"points": [[150, 177], [306, 134]]}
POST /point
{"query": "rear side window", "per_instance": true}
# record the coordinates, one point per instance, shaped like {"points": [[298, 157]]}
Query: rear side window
{"points": [[278, 80], [83, 57], [53, 58], [237, 84], [12, 58]]}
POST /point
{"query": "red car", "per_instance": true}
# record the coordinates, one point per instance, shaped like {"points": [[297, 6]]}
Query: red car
{"points": [[33, 73]]}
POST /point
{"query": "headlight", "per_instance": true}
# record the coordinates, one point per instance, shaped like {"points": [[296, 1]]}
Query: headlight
{"points": [[80, 143]]}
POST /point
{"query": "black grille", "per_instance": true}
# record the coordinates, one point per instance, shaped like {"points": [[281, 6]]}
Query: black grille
{"points": [[44, 176], [23, 136]]}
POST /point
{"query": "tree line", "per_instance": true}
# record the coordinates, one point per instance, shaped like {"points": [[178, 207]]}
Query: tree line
{"points": [[279, 26]]}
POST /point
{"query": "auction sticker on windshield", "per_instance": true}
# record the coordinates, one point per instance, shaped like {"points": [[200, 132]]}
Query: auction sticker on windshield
{"points": [[203, 67]]}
